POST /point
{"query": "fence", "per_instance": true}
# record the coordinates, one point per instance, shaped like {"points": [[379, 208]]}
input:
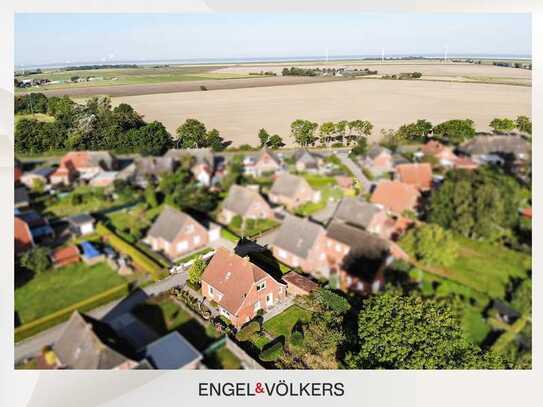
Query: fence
{"points": [[245, 359]]}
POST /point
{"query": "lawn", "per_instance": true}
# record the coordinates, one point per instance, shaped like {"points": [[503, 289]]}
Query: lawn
{"points": [[84, 199], [328, 193], [41, 117], [484, 267], [222, 359], [282, 324], [56, 289], [252, 228], [132, 221]]}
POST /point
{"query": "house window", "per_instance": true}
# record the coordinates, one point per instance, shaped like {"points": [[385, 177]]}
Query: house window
{"points": [[338, 247], [182, 246], [260, 286], [196, 239], [190, 228], [210, 290], [257, 306], [225, 312], [295, 262], [282, 254], [269, 299]]}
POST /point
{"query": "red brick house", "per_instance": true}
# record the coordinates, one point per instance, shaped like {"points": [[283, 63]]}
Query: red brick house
{"points": [[298, 284], [362, 214], [23, 236], [396, 196], [245, 202], [175, 234], [85, 164], [65, 256], [419, 175], [292, 191], [444, 154], [239, 287], [300, 243]]}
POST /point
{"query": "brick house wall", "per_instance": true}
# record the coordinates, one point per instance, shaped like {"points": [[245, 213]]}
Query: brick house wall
{"points": [[191, 237], [265, 164], [302, 195], [273, 293], [259, 209], [315, 263], [378, 223]]}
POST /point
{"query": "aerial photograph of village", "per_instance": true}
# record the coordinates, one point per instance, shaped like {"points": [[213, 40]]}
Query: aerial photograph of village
{"points": [[220, 191]]}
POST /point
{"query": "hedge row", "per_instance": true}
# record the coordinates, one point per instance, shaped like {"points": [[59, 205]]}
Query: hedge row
{"points": [[41, 324], [141, 260], [272, 353]]}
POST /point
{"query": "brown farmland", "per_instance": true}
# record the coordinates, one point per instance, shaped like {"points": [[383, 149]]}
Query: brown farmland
{"points": [[239, 113]]}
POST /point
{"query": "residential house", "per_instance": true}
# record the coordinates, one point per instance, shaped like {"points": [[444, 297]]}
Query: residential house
{"points": [[344, 181], [305, 160], [143, 169], [361, 214], [300, 243], [358, 257], [245, 202], [175, 233], [482, 148], [202, 164], [292, 191], [378, 160], [82, 224], [419, 175], [38, 175], [22, 199], [298, 284], [87, 343], [240, 288], [267, 162], [396, 196], [465, 163], [104, 179], [444, 154], [23, 236], [65, 256], [83, 164], [39, 228]]}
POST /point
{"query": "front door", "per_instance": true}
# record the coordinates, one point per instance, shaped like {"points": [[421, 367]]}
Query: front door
{"points": [[269, 299]]}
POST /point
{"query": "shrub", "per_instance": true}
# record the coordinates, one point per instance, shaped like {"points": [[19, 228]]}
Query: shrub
{"points": [[36, 260], [247, 331], [333, 301], [297, 338], [272, 353]]}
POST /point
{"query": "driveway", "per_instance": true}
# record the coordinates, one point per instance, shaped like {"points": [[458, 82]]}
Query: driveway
{"points": [[33, 345], [355, 169]]}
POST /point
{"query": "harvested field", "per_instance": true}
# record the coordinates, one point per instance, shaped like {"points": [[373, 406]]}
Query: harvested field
{"points": [[193, 85], [239, 113]]}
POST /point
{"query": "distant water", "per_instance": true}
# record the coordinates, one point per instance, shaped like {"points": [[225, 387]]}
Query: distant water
{"points": [[316, 58]]}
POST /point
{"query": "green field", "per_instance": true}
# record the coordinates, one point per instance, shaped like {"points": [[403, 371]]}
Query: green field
{"points": [[128, 76], [41, 117], [56, 289]]}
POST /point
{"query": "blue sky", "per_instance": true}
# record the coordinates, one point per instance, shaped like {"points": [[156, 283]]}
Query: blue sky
{"points": [[59, 38]]}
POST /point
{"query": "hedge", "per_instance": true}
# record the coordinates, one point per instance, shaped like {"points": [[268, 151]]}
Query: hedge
{"points": [[141, 260], [247, 331], [40, 324], [272, 353]]}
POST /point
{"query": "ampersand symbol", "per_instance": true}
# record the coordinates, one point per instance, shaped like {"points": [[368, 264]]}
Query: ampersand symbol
{"points": [[259, 388]]}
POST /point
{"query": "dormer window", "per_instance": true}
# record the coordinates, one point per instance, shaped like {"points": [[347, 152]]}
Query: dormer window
{"points": [[260, 286]]}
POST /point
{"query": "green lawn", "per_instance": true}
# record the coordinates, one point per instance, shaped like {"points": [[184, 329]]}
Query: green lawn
{"points": [[132, 221], [328, 192], [56, 289], [226, 234], [317, 181], [283, 323], [484, 267], [84, 199], [251, 228], [222, 359], [194, 255], [41, 117]]}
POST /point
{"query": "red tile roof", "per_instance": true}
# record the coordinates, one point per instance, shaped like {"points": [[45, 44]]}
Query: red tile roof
{"points": [[301, 282], [465, 163], [419, 175], [23, 237], [65, 255], [432, 147], [396, 196], [233, 276]]}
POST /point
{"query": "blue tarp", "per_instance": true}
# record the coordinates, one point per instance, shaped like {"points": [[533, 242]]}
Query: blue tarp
{"points": [[89, 250]]}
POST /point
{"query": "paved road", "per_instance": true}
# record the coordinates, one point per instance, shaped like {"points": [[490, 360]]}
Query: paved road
{"points": [[31, 346], [355, 169]]}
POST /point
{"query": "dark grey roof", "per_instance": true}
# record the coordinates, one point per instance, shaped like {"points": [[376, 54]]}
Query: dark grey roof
{"points": [[168, 224], [239, 199], [80, 219], [154, 165], [400, 159], [43, 171], [298, 235], [356, 212], [102, 159], [21, 195], [375, 150], [287, 185], [172, 352], [363, 243], [496, 144], [87, 343], [505, 309], [306, 157]]}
